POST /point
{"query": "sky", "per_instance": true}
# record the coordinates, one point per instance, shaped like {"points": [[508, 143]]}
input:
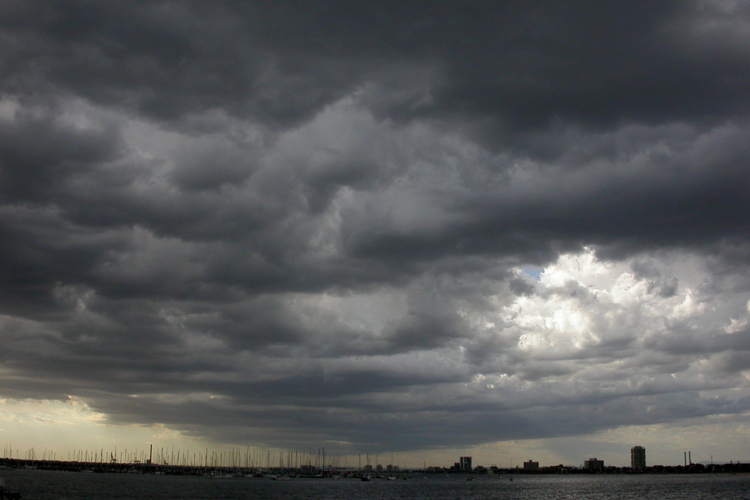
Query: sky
{"points": [[419, 230]]}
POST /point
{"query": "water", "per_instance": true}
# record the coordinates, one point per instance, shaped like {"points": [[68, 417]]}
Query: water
{"points": [[46, 485]]}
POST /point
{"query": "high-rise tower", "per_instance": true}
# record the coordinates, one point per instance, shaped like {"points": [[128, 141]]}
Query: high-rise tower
{"points": [[638, 457]]}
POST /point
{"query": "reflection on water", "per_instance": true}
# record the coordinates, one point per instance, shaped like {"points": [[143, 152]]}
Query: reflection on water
{"points": [[45, 485]]}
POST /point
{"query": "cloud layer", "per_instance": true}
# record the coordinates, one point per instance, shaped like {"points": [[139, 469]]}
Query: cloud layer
{"points": [[388, 227]]}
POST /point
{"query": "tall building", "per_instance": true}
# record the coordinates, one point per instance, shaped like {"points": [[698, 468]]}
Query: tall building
{"points": [[465, 464], [638, 457]]}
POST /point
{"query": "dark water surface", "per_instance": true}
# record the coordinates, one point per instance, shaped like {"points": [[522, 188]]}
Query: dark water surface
{"points": [[45, 485]]}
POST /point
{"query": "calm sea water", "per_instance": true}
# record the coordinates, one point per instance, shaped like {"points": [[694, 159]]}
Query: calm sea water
{"points": [[44, 485]]}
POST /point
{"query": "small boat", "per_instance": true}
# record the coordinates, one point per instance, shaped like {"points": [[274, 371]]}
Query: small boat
{"points": [[366, 477], [219, 475]]}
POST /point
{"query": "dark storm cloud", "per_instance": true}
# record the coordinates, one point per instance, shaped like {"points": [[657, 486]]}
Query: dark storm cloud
{"points": [[39, 153], [517, 64], [165, 59], [312, 220]]}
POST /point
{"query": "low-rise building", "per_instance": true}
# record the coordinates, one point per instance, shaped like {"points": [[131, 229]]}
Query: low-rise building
{"points": [[592, 464], [531, 466]]}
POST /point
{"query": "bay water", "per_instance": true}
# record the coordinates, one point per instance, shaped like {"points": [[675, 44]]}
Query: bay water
{"points": [[48, 485]]}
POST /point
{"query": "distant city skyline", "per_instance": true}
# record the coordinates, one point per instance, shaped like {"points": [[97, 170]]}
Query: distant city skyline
{"points": [[258, 457]]}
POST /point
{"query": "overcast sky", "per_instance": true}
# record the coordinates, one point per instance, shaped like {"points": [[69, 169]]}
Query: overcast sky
{"points": [[422, 228]]}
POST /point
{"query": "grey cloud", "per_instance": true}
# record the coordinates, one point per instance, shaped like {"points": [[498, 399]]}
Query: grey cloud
{"points": [[307, 222], [41, 153]]}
